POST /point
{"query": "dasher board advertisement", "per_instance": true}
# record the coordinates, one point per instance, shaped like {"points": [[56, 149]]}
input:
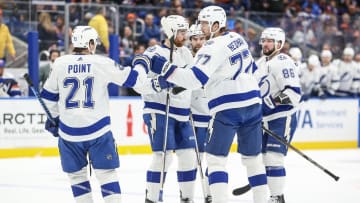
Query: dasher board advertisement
{"points": [[328, 120]]}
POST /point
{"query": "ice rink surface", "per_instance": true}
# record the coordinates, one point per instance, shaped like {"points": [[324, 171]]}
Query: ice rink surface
{"points": [[41, 180]]}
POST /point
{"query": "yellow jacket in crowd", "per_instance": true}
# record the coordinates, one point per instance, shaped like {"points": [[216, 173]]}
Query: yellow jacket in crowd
{"points": [[6, 41], [98, 22]]}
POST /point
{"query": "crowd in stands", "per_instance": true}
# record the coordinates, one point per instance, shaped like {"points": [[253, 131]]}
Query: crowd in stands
{"points": [[311, 25]]}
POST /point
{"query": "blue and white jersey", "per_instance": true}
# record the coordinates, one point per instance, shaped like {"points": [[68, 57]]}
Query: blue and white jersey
{"points": [[309, 79], [276, 75], [9, 87], [156, 102], [224, 67], [199, 108], [328, 78], [76, 90], [349, 78]]}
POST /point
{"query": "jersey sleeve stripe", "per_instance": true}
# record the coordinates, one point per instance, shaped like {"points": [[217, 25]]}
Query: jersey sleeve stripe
{"points": [[85, 130], [49, 95], [131, 79], [201, 118], [142, 60], [172, 110], [201, 76], [234, 98]]}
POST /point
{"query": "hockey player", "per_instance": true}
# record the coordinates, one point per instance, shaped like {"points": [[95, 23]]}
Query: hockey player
{"points": [[224, 67], [199, 108], [77, 97], [280, 90], [309, 77], [180, 135], [9, 87], [328, 81], [296, 54], [348, 74]]}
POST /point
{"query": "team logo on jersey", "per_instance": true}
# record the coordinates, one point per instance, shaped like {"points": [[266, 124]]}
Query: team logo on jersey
{"points": [[281, 57], [151, 49], [210, 42]]}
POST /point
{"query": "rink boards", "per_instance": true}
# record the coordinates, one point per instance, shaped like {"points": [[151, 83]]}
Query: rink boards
{"points": [[323, 124]]}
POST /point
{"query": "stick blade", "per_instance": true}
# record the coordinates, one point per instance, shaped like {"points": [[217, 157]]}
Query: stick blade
{"points": [[241, 190]]}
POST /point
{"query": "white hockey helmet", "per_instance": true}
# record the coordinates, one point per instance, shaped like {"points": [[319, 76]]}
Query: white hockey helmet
{"points": [[349, 51], [82, 35], [314, 60], [326, 53], [212, 14], [275, 33], [172, 23], [195, 30], [295, 53]]}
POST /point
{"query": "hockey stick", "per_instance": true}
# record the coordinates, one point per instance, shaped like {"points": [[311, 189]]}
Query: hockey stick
{"points": [[198, 158], [42, 103], [284, 142], [166, 128], [244, 189]]}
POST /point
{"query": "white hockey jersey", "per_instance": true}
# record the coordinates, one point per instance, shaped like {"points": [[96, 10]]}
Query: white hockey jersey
{"points": [[156, 103], [279, 74], [328, 79], [309, 80], [224, 67], [199, 108], [349, 82], [77, 91]]}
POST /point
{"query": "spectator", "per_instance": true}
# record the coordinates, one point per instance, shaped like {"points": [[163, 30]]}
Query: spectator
{"points": [[60, 30], [151, 30], [99, 23], [45, 70], [6, 43], [127, 41], [47, 32]]}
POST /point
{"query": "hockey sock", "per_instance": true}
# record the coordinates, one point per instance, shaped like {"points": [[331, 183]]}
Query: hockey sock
{"points": [[110, 187], [257, 177], [218, 178], [80, 186], [186, 173]]}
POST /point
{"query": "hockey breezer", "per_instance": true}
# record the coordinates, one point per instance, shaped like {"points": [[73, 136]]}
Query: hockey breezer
{"points": [[244, 189]]}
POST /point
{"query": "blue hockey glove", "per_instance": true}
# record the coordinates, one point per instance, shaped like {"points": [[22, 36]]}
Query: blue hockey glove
{"points": [[162, 66], [159, 83], [53, 129]]}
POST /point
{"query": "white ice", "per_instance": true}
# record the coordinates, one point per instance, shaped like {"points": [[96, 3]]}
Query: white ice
{"points": [[41, 180]]}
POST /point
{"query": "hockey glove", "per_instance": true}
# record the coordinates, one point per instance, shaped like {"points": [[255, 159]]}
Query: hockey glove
{"points": [[53, 129], [282, 99], [159, 83], [162, 66]]}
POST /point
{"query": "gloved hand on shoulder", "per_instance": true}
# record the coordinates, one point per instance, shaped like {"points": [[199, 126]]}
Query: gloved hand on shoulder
{"points": [[53, 128]]}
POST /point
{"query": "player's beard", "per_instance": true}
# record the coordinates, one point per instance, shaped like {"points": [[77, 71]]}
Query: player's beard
{"points": [[195, 49], [179, 43], [269, 52]]}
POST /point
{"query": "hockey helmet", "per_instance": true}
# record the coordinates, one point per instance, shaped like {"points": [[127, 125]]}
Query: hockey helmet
{"points": [[195, 30], [326, 53], [275, 33], [212, 14], [295, 53], [172, 23], [82, 35], [349, 51]]}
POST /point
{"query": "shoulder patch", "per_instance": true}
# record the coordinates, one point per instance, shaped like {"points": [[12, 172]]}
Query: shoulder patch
{"points": [[282, 57], [151, 49], [210, 42]]}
